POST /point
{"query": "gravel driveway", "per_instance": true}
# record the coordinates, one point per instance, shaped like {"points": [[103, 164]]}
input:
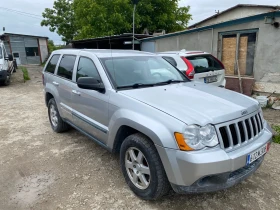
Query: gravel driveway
{"points": [[40, 169]]}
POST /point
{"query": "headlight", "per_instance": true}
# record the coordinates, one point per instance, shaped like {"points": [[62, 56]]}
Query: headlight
{"points": [[195, 137]]}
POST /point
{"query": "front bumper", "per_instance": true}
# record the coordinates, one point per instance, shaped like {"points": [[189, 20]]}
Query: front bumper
{"points": [[3, 75], [212, 169]]}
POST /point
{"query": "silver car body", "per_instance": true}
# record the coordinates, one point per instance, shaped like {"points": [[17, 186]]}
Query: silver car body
{"points": [[158, 112], [181, 65]]}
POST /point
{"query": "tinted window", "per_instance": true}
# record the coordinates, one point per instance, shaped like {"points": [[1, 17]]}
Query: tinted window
{"points": [[86, 68], [51, 65], [204, 63], [66, 66], [170, 60]]}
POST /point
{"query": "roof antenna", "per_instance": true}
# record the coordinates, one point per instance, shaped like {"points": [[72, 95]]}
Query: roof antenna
{"points": [[217, 12]]}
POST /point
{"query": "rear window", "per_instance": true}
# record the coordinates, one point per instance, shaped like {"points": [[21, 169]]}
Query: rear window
{"points": [[52, 64], [66, 66], [204, 63]]}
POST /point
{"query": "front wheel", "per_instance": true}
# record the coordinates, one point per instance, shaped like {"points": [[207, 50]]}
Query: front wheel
{"points": [[57, 123], [7, 80], [142, 168]]}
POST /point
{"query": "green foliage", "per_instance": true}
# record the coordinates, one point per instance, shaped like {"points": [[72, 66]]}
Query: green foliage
{"points": [[276, 138], [61, 19], [80, 19], [25, 74], [53, 47]]}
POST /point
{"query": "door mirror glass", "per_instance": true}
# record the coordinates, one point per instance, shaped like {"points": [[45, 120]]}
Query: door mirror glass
{"points": [[90, 83]]}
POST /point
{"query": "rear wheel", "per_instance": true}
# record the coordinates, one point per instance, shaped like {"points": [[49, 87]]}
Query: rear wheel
{"points": [[7, 80], [142, 168], [57, 123]]}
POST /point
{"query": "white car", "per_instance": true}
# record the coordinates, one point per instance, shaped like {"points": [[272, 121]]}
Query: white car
{"points": [[199, 66]]}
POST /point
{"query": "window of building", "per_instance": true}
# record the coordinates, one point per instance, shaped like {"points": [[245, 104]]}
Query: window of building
{"points": [[66, 66], [31, 51], [238, 52], [86, 68], [52, 64]]}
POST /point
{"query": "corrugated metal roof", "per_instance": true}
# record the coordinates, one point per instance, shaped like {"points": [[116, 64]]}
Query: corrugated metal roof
{"points": [[217, 25], [231, 8], [8, 34], [113, 37]]}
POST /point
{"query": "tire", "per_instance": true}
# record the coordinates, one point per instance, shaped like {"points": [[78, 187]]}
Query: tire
{"points": [[57, 123], [158, 184], [7, 80]]}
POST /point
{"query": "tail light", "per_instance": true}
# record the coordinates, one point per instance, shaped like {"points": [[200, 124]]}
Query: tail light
{"points": [[190, 71]]}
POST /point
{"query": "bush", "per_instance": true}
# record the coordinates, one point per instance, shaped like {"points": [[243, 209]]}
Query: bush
{"points": [[25, 74], [276, 138]]}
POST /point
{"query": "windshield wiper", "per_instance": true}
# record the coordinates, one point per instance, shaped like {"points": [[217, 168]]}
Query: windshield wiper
{"points": [[170, 81], [136, 85]]}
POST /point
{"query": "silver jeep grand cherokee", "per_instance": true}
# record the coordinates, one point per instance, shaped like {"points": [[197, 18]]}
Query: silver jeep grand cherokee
{"points": [[168, 130]]}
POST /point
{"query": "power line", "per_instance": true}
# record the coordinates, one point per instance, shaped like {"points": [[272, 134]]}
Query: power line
{"points": [[22, 13]]}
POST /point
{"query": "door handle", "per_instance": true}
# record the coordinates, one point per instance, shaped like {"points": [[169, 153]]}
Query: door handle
{"points": [[76, 92], [55, 83]]}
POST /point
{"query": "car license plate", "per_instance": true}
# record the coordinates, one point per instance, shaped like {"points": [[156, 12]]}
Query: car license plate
{"points": [[210, 79], [256, 154]]}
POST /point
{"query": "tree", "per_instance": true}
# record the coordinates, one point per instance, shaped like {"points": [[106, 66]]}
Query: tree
{"points": [[53, 47], [107, 17], [60, 19], [80, 19]]}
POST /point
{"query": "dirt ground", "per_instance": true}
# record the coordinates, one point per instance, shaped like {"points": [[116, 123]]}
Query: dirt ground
{"points": [[40, 169]]}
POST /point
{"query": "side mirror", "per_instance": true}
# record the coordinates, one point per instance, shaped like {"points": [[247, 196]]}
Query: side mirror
{"points": [[9, 58], [90, 83]]}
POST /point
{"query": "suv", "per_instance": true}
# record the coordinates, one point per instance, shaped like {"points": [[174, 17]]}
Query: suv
{"points": [[169, 131], [6, 65], [199, 66]]}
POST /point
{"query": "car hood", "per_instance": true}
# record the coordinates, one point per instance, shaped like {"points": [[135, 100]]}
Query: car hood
{"points": [[195, 102]]}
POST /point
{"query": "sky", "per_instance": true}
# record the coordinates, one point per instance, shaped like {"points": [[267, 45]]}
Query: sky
{"points": [[24, 24]]}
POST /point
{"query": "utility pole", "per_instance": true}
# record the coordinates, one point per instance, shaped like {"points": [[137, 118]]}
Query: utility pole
{"points": [[135, 2]]}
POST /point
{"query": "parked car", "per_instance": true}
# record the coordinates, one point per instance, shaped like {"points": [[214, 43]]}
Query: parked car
{"points": [[197, 65], [169, 131], [6, 65]]}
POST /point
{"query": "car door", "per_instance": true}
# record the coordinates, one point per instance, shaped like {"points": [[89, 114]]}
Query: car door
{"points": [[6, 62], [90, 107], [63, 82]]}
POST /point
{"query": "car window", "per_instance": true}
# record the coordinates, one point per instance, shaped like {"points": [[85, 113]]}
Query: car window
{"points": [[66, 66], [130, 70], [170, 60], [204, 63], [86, 68], [51, 65], [1, 53], [4, 52]]}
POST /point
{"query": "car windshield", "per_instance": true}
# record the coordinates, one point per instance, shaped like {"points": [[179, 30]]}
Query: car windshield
{"points": [[141, 71], [1, 53], [204, 63]]}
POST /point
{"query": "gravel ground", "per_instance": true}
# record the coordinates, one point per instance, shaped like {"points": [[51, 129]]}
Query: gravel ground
{"points": [[40, 169]]}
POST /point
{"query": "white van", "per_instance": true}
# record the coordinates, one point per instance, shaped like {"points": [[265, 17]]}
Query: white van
{"points": [[7, 66]]}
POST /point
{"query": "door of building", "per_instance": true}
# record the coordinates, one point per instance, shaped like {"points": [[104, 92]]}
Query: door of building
{"points": [[16, 56]]}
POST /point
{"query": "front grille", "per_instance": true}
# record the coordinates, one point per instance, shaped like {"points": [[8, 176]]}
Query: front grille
{"points": [[235, 133]]}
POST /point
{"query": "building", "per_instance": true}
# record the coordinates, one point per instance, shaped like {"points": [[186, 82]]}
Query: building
{"points": [[122, 41], [26, 49], [244, 38]]}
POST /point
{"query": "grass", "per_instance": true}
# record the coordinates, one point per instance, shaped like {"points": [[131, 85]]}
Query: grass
{"points": [[25, 74], [276, 138]]}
